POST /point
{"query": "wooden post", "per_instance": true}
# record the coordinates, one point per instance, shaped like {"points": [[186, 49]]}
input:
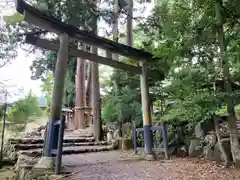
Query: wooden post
{"points": [[58, 89], [59, 77], [60, 146], [46, 162], [147, 121], [48, 139]]}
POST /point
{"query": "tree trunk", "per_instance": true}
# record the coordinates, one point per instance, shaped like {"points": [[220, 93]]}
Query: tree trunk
{"points": [[115, 27], [88, 84], [88, 94], [217, 130], [80, 93], [116, 58], [119, 109], [96, 104], [129, 24], [235, 148], [96, 99]]}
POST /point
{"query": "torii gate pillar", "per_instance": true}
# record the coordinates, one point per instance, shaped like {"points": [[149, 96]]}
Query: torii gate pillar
{"points": [[46, 162], [147, 121]]}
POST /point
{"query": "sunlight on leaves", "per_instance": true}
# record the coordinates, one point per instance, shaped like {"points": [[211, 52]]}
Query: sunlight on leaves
{"points": [[13, 19]]}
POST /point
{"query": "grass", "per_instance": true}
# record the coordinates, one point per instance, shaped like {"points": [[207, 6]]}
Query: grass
{"points": [[29, 127], [36, 123]]}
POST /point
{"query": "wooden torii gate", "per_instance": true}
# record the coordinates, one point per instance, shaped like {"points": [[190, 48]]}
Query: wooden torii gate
{"points": [[66, 32]]}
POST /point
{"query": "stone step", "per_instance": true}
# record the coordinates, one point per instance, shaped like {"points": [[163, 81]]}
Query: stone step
{"points": [[36, 146], [70, 150], [77, 134], [40, 140]]}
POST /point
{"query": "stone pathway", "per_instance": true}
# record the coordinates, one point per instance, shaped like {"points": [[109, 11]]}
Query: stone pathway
{"points": [[114, 166]]}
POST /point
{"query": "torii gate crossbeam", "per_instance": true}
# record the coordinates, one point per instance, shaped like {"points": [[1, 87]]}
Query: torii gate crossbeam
{"points": [[54, 46]]}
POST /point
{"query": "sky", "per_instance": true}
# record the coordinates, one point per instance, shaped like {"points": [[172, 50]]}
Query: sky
{"points": [[17, 73]]}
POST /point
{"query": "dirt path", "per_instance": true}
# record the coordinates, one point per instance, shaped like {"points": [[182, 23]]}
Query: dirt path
{"points": [[112, 166]]}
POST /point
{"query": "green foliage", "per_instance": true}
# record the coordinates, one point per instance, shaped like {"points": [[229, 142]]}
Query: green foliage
{"points": [[44, 68], [24, 110], [183, 35], [47, 88], [13, 19], [223, 111], [69, 88], [8, 47], [1, 111], [126, 105]]}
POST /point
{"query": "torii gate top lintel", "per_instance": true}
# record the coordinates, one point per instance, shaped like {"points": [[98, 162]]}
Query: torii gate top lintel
{"points": [[50, 23]]}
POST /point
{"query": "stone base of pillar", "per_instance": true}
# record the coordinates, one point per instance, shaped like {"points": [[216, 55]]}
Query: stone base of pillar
{"points": [[53, 177], [149, 157], [80, 120], [45, 163], [89, 122]]}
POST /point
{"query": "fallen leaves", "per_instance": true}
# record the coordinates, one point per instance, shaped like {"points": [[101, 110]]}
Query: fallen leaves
{"points": [[126, 165], [194, 169]]}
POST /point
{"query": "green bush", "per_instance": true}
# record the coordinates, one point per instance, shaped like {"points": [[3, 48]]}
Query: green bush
{"points": [[25, 110]]}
